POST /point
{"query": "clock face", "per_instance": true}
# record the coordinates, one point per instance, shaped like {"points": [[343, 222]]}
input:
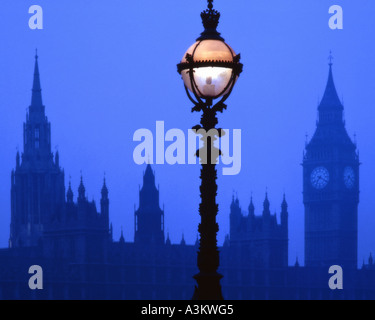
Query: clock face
{"points": [[320, 178], [349, 177]]}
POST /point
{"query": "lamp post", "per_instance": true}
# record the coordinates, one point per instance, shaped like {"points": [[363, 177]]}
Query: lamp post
{"points": [[209, 69]]}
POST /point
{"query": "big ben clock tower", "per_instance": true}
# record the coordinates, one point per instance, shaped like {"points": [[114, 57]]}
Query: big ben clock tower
{"points": [[331, 188]]}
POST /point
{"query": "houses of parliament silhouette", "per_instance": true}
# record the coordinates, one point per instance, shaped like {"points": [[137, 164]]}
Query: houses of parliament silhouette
{"points": [[74, 244]]}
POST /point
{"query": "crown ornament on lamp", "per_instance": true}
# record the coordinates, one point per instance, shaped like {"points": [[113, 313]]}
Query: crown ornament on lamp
{"points": [[210, 20]]}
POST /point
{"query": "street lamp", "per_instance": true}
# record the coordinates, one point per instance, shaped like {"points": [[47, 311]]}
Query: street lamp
{"points": [[209, 69]]}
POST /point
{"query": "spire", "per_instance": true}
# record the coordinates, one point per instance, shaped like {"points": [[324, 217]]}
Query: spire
{"points": [[149, 194], [284, 215], [266, 208], [104, 190], [284, 205], [81, 190], [69, 194], [183, 242], [122, 239], [266, 204], [371, 260], [36, 99], [149, 171], [330, 124], [149, 176], [235, 205], [149, 217], [330, 99], [251, 207]]}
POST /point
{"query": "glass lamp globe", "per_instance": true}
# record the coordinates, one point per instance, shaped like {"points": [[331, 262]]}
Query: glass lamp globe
{"points": [[213, 64]]}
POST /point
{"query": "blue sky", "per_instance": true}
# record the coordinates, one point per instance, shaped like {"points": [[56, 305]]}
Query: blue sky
{"points": [[108, 68]]}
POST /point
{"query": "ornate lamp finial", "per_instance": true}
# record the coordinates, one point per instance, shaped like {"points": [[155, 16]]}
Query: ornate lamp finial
{"points": [[210, 19]]}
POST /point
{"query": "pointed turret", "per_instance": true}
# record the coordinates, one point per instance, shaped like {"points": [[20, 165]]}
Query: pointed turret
{"points": [[235, 209], [284, 214], [330, 108], [251, 217], [36, 99], [104, 204], [370, 260], [37, 129], [235, 219], [149, 194], [104, 191], [69, 194], [183, 242], [284, 205], [266, 207], [330, 98], [149, 176], [122, 238], [235, 205], [149, 218], [251, 208], [81, 191]]}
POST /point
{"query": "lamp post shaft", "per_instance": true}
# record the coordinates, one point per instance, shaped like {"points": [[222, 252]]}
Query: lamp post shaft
{"points": [[208, 279], [217, 60]]}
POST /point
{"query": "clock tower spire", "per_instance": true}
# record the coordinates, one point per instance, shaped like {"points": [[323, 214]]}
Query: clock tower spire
{"points": [[331, 187], [38, 189]]}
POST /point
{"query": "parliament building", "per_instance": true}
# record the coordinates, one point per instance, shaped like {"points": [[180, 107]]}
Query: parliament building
{"points": [[71, 238]]}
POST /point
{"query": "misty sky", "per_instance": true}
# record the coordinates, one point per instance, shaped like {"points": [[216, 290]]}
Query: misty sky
{"points": [[108, 68]]}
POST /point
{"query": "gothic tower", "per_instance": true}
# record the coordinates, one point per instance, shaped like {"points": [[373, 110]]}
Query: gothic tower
{"points": [[37, 183], [331, 188], [104, 205], [149, 218]]}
